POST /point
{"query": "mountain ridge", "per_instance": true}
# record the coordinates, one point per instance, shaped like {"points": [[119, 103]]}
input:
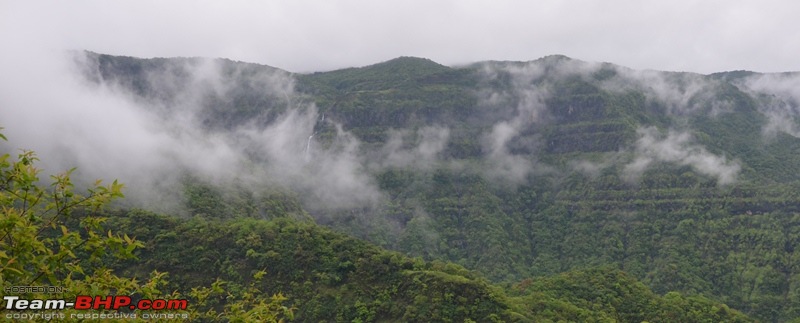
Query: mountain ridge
{"points": [[428, 61], [520, 169]]}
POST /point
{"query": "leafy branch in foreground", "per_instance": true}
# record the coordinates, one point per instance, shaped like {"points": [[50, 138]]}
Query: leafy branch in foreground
{"points": [[54, 236], [36, 246]]}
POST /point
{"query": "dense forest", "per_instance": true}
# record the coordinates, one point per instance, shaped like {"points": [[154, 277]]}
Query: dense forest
{"points": [[549, 190]]}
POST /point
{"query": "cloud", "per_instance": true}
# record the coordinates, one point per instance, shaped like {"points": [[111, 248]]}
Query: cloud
{"points": [[676, 147], [419, 149], [150, 140], [678, 93], [778, 97], [517, 108], [331, 178], [304, 36], [514, 96], [590, 168], [502, 165]]}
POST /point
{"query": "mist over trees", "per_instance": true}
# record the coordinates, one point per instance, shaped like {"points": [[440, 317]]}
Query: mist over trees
{"points": [[514, 183]]}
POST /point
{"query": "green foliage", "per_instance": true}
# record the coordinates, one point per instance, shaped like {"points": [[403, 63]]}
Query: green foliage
{"points": [[607, 294], [404, 92], [205, 199], [328, 276], [673, 229], [248, 306], [55, 236], [38, 247]]}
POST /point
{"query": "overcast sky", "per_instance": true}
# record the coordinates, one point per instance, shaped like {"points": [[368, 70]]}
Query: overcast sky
{"points": [[302, 36]]}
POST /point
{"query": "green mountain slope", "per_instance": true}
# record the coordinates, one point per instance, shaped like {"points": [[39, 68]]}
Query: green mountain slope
{"points": [[519, 170], [330, 277]]}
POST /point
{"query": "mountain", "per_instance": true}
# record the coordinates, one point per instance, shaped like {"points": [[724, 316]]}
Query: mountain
{"points": [[331, 277], [520, 171]]}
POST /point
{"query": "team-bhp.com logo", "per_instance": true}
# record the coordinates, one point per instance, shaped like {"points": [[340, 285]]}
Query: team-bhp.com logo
{"points": [[83, 302], [96, 303]]}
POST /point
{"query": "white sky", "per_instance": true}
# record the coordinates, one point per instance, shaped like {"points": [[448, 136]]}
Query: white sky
{"points": [[303, 36]]}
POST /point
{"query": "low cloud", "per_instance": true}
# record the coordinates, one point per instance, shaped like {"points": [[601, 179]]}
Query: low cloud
{"points": [[678, 93], [677, 147], [778, 97], [149, 141], [419, 149], [518, 108], [592, 169]]}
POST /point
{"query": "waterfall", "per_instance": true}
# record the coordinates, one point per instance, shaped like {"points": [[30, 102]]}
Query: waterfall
{"points": [[308, 146]]}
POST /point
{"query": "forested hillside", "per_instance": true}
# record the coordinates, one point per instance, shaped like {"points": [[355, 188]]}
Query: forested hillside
{"points": [[549, 178], [224, 269], [329, 277]]}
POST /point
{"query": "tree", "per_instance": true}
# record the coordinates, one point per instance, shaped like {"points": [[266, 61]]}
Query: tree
{"points": [[54, 237], [39, 245]]}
